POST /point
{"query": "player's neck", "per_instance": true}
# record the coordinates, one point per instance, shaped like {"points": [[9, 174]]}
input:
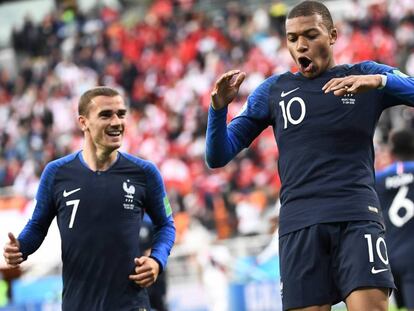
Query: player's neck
{"points": [[98, 159], [331, 64]]}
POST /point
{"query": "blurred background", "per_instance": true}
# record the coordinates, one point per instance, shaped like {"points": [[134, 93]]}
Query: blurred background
{"points": [[164, 56]]}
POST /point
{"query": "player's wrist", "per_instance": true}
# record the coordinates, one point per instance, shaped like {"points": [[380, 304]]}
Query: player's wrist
{"points": [[382, 81], [160, 267], [217, 107], [213, 106], [215, 103]]}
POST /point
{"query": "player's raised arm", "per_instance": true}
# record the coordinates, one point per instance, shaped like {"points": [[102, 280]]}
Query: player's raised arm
{"points": [[11, 252], [224, 142]]}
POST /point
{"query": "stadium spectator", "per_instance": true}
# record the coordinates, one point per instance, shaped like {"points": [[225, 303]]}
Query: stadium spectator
{"points": [[395, 187], [99, 196], [166, 64], [324, 119]]}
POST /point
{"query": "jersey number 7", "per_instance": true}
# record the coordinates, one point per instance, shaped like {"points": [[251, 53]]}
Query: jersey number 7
{"points": [[75, 204]]}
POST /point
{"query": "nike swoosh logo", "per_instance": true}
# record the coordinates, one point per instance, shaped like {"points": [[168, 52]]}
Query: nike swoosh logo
{"points": [[287, 93], [375, 271], [68, 193]]}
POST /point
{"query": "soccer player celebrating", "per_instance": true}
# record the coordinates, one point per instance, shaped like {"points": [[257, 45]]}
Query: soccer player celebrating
{"points": [[99, 196], [395, 187], [331, 244]]}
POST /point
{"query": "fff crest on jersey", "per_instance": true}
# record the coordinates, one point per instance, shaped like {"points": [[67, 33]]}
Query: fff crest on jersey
{"points": [[348, 99], [129, 196]]}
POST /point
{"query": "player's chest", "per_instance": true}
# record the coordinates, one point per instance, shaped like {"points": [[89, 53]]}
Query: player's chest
{"points": [[100, 196], [304, 108]]}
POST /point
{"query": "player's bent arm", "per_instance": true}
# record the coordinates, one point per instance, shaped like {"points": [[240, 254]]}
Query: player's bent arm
{"points": [[224, 142], [400, 85], [393, 82], [221, 144], [36, 229], [159, 209]]}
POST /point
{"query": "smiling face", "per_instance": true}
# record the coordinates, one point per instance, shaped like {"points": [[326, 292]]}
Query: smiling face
{"points": [[104, 122], [310, 44]]}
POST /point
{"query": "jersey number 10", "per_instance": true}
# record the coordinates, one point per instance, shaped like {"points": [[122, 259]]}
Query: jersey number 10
{"points": [[380, 241], [287, 116]]}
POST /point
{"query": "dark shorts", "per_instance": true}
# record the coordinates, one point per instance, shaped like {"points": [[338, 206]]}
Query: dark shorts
{"points": [[322, 264]]}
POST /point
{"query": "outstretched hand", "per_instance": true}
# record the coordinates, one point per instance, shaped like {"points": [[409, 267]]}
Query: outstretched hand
{"points": [[226, 88], [146, 271], [11, 252], [352, 84]]}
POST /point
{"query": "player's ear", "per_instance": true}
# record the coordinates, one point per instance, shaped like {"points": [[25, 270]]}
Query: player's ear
{"points": [[333, 36], [82, 121]]}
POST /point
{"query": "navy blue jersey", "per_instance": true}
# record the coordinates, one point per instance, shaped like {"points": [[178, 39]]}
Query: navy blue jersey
{"points": [[395, 187], [99, 214], [325, 143]]}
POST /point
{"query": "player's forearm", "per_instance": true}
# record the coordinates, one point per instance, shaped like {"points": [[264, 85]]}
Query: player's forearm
{"points": [[163, 242], [31, 238], [220, 144], [400, 86]]}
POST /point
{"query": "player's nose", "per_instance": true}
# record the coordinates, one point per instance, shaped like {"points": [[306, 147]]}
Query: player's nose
{"points": [[301, 45], [116, 120]]}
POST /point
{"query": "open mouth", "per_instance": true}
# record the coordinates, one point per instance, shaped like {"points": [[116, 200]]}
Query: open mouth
{"points": [[114, 133], [305, 64]]}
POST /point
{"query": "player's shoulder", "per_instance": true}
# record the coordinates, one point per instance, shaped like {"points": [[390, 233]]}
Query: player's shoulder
{"points": [[57, 163], [389, 170], [263, 91], [140, 163], [371, 67], [267, 84], [52, 167], [394, 168]]}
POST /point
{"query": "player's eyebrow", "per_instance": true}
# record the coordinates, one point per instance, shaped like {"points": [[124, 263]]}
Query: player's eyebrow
{"points": [[110, 111], [302, 32]]}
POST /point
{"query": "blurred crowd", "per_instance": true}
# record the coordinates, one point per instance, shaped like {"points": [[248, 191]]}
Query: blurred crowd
{"points": [[165, 60]]}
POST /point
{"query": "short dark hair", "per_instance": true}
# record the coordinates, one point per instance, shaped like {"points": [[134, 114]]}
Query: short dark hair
{"points": [[85, 99], [309, 8], [402, 144]]}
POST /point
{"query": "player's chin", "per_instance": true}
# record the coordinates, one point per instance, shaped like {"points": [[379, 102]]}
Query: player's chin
{"points": [[310, 74], [113, 144]]}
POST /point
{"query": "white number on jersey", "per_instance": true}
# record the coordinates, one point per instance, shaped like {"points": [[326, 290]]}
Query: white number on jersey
{"points": [[287, 116], [401, 202], [75, 204]]}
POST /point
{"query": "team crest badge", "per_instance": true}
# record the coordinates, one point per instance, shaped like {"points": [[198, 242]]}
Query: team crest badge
{"points": [[129, 196]]}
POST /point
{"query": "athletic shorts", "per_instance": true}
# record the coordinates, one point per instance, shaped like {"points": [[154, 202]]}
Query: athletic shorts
{"points": [[404, 280], [322, 264]]}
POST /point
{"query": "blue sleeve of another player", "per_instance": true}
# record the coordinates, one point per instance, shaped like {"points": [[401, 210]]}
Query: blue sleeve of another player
{"points": [[36, 229], [159, 209], [224, 142], [399, 88]]}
